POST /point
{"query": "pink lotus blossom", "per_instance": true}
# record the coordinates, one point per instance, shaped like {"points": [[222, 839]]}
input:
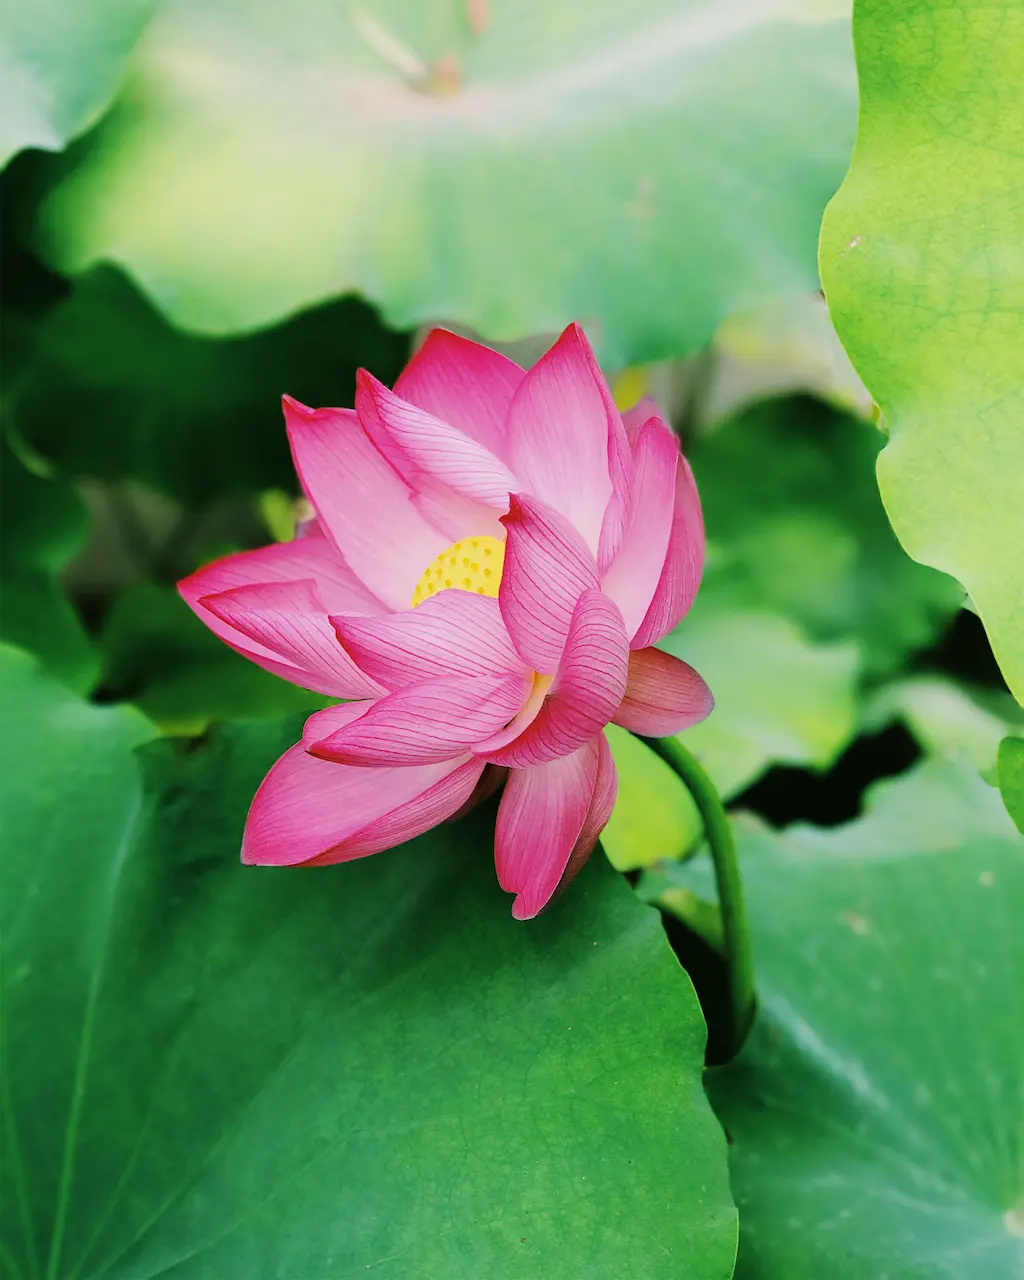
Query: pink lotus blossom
{"points": [[494, 553]]}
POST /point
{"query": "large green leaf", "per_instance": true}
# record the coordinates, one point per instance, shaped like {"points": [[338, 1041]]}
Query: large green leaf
{"points": [[220, 1072], [795, 524], [875, 1114], [947, 718], [921, 261], [111, 390], [644, 167], [60, 63], [1010, 774], [42, 526]]}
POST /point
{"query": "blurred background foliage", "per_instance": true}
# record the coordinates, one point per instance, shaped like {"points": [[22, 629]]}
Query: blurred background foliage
{"points": [[211, 204]]}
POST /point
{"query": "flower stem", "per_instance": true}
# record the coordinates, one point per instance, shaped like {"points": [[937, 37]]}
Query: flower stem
{"points": [[738, 955]]}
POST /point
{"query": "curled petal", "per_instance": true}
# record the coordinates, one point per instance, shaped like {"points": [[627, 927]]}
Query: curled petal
{"points": [[664, 695], [542, 829], [313, 812], [559, 430], [633, 577], [364, 505], [586, 692], [309, 556], [465, 384], [684, 563], [452, 633], [547, 569], [288, 620], [437, 720], [321, 724], [434, 446]]}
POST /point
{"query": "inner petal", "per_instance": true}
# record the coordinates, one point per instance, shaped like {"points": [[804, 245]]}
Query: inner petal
{"points": [[471, 564]]}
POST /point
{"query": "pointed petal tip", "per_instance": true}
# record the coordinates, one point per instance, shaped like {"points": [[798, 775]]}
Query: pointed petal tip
{"points": [[296, 409]]}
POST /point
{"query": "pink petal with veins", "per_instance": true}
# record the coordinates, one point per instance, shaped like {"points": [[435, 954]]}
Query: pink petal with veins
{"points": [[586, 693], [559, 430], [684, 564], [435, 447], [436, 720], [664, 695], [313, 812], [542, 819], [363, 504], [452, 633], [633, 577], [287, 620], [465, 384], [547, 568]]}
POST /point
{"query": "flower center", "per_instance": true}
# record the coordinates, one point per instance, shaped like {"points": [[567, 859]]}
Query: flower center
{"points": [[473, 564]]}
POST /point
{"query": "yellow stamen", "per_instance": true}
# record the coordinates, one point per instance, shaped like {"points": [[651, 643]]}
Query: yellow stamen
{"points": [[480, 561]]}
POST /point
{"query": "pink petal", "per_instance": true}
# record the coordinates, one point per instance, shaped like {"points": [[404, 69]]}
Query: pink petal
{"points": [[321, 724], [621, 468], [559, 429], [437, 720], [465, 384], [633, 419], [452, 633], [541, 818], [586, 693], [663, 695], [287, 621], [633, 577], [310, 556], [314, 558], [547, 569], [311, 811], [605, 792], [455, 516], [684, 564], [364, 505], [433, 446]]}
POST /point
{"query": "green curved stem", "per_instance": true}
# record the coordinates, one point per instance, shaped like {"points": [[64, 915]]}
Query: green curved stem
{"points": [[738, 955]]}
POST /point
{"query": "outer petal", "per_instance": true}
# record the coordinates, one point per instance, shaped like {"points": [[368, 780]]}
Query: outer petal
{"points": [[436, 720], [547, 569], [465, 384], [364, 505], [541, 818], [310, 811], [663, 695], [606, 790], [287, 619], [453, 633], [684, 564], [434, 446], [559, 434], [309, 556], [311, 661], [633, 577], [587, 691]]}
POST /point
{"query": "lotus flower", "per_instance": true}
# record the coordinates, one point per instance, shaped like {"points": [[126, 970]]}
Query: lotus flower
{"points": [[494, 554]]}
